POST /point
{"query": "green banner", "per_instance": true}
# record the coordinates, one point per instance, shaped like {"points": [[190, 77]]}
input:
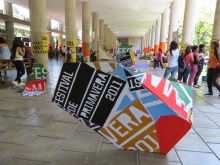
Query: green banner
{"points": [[39, 72], [124, 49]]}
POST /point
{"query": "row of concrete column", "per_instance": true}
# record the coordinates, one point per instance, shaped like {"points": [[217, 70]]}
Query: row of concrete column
{"points": [[102, 35], [156, 36]]}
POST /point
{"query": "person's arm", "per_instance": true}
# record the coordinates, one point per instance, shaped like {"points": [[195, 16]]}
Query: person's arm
{"points": [[168, 56], [21, 51]]}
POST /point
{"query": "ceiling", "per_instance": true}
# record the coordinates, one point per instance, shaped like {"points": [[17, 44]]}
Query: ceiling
{"points": [[126, 18]]}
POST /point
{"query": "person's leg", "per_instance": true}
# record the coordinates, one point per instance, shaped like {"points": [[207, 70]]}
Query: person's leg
{"points": [[209, 81], [17, 68], [161, 63], [186, 74], [156, 63], [180, 76], [174, 71], [191, 77], [166, 73], [200, 68], [214, 79], [21, 70]]}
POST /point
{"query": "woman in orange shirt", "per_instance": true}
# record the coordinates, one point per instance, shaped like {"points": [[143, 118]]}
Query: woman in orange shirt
{"points": [[212, 71]]}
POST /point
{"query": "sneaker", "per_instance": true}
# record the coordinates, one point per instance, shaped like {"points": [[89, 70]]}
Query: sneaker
{"points": [[196, 86], [208, 94], [21, 84], [15, 83], [194, 89]]}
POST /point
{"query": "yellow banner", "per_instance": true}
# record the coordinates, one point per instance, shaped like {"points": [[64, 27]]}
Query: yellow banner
{"points": [[44, 42], [183, 47], [71, 45]]}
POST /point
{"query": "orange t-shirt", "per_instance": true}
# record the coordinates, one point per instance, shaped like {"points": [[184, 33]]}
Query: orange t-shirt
{"points": [[213, 60]]}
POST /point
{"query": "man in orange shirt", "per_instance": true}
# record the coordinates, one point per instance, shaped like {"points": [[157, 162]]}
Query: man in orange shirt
{"points": [[213, 72]]}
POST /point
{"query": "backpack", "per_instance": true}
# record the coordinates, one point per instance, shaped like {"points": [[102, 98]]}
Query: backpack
{"points": [[181, 63]]}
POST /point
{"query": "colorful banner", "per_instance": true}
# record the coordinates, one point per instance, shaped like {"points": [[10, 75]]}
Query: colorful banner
{"points": [[131, 112], [35, 87]]}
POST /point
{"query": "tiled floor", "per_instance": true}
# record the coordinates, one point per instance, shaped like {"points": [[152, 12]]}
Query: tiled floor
{"points": [[33, 131]]}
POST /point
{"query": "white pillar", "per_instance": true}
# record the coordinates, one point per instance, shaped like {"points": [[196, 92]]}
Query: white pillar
{"points": [[101, 32], [49, 39], [216, 25], [164, 29], [174, 12], [157, 37], [38, 16], [49, 23], [189, 22], [86, 29], [95, 30], [105, 35], [70, 25], [60, 40], [147, 42], [149, 39], [153, 35], [8, 9]]}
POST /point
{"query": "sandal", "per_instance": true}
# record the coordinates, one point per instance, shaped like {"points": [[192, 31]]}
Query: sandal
{"points": [[196, 86]]}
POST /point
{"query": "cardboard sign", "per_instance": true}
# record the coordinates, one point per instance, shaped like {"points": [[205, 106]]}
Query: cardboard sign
{"points": [[124, 60], [38, 72], [87, 93]]}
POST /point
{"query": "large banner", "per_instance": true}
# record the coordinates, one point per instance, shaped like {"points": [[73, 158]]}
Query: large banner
{"points": [[131, 109]]}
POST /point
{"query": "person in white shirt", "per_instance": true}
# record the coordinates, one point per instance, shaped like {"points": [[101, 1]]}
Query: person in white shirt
{"points": [[172, 58], [18, 51]]}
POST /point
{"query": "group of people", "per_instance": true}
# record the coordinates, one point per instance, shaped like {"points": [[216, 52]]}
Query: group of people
{"points": [[18, 52], [193, 59], [65, 53]]}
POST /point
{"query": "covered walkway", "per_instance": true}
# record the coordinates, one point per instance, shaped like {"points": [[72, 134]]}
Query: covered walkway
{"points": [[34, 131]]}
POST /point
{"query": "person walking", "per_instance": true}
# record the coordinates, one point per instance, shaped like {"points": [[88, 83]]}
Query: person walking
{"points": [[200, 65], [214, 68], [159, 59], [194, 65], [172, 59], [183, 75], [18, 51]]}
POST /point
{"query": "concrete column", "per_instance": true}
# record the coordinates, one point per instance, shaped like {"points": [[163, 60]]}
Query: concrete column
{"points": [[101, 33], [157, 37], [153, 35], [105, 35], [60, 40], [9, 26], [189, 23], [49, 23], [49, 39], [146, 42], [60, 27], [86, 30], [8, 9], [95, 30], [174, 12], [216, 25], [108, 38], [70, 24], [164, 29], [149, 39], [38, 16]]}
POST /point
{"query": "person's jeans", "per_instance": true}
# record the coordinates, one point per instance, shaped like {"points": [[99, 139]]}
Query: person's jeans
{"points": [[172, 70], [20, 70], [200, 68], [211, 79], [184, 75]]}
